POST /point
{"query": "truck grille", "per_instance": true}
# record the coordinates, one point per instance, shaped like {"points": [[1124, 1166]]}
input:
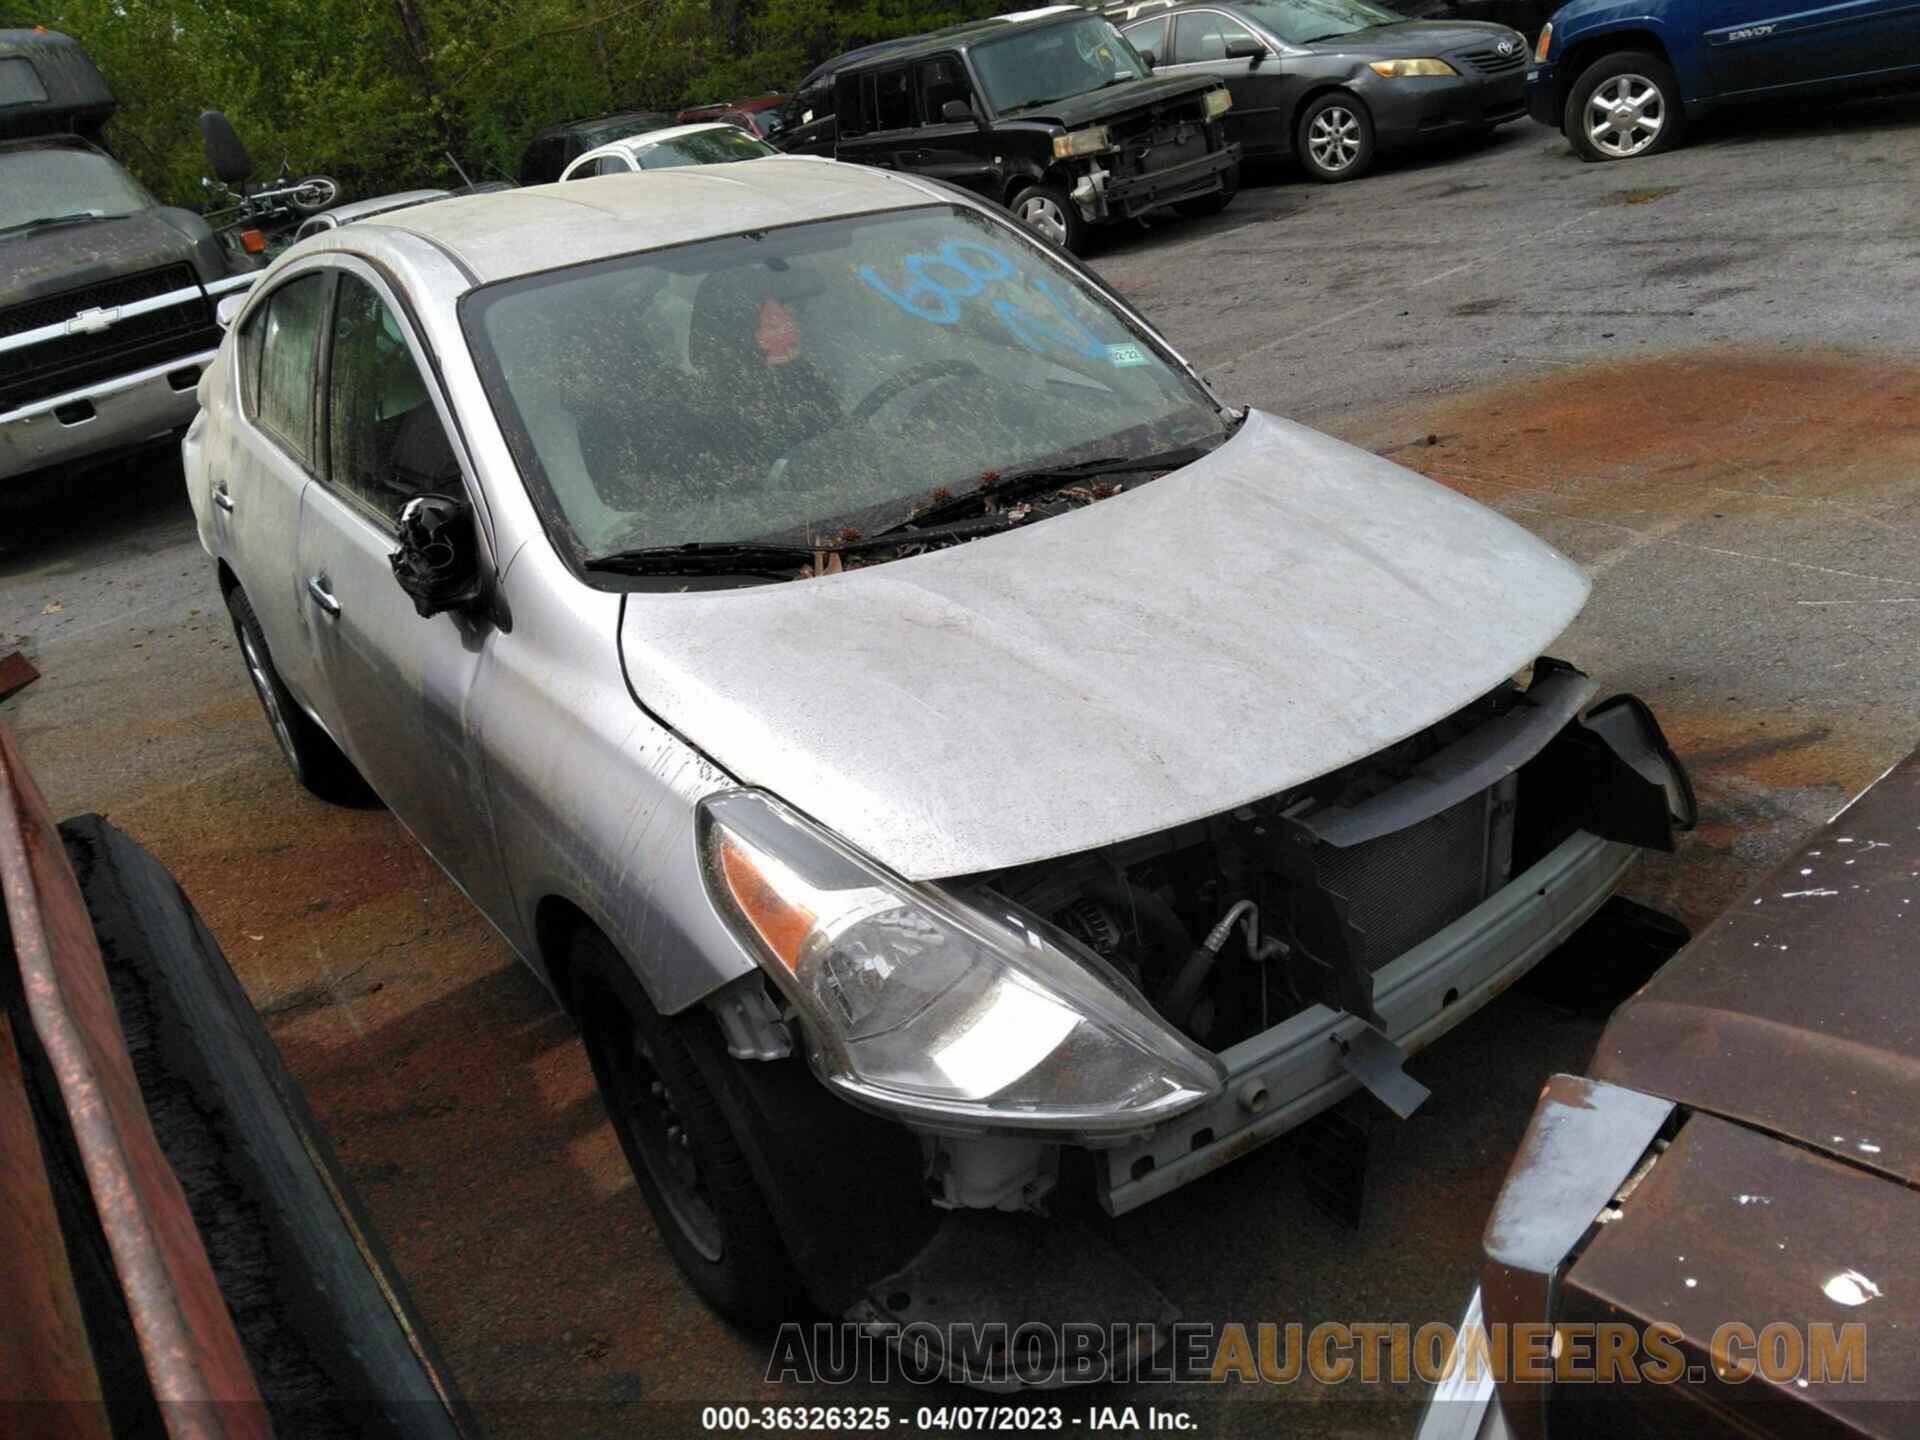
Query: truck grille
{"points": [[1492, 62], [71, 362], [1402, 887]]}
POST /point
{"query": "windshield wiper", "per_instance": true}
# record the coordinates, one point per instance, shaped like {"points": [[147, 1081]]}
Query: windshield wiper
{"points": [[1045, 477], [763, 557], [708, 557], [72, 217]]}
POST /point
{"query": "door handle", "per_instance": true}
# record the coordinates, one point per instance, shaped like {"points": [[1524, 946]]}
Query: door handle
{"points": [[221, 498], [323, 597]]}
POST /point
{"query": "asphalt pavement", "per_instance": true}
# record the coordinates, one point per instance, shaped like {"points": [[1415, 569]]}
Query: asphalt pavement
{"points": [[1699, 375]]}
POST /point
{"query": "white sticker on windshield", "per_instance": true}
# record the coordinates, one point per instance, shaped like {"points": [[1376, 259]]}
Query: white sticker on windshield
{"points": [[1124, 355]]}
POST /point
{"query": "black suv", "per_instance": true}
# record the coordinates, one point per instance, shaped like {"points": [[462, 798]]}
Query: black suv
{"points": [[1056, 117]]}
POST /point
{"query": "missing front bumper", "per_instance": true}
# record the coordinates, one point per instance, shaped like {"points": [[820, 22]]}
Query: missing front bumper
{"points": [[1285, 1076]]}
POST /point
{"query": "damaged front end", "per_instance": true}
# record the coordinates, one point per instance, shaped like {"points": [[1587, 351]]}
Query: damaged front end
{"points": [[1104, 1027]]}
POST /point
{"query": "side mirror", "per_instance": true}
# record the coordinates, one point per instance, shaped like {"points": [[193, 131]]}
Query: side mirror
{"points": [[225, 153], [1149, 59], [1246, 48], [955, 112], [228, 310], [438, 562]]}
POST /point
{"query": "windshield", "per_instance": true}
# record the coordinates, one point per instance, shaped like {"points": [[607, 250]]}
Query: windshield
{"points": [[1301, 21], [64, 182], [709, 147], [1056, 62], [796, 383]]}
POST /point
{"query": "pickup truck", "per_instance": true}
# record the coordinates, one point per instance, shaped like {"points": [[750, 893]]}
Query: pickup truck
{"points": [[106, 296]]}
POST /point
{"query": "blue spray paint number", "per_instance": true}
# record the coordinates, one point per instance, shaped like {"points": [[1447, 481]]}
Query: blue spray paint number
{"points": [[930, 297]]}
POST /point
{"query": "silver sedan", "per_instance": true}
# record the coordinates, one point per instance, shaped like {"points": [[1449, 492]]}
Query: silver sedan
{"points": [[953, 765]]}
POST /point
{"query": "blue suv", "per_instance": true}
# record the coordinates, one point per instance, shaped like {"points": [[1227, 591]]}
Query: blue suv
{"points": [[1622, 77]]}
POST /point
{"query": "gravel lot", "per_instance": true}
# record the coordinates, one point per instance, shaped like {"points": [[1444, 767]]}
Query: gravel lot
{"points": [[1698, 375]]}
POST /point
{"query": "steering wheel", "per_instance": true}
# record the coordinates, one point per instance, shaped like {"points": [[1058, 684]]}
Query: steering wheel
{"points": [[894, 386]]}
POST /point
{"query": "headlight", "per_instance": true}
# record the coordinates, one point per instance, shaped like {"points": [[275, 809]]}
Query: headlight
{"points": [[1218, 102], [1081, 142], [1408, 69], [1546, 40], [919, 1004]]}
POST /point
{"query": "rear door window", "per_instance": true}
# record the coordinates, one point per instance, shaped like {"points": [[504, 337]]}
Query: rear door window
{"points": [[385, 442], [894, 107], [289, 351]]}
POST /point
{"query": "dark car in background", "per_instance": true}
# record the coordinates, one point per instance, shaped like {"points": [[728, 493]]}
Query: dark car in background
{"points": [[1741, 1172], [551, 150], [1053, 116], [1335, 82], [1622, 82]]}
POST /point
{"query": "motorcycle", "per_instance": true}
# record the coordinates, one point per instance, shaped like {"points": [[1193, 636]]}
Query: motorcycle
{"points": [[255, 221]]}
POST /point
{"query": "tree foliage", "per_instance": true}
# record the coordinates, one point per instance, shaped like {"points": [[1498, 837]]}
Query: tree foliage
{"points": [[379, 93]]}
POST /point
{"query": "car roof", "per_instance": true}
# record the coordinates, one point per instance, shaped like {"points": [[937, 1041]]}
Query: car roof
{"points": [[518, 232], [946, 38]]}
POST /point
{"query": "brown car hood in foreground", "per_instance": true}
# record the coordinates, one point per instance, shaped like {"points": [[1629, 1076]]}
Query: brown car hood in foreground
{"points": [[1798, 1011]]}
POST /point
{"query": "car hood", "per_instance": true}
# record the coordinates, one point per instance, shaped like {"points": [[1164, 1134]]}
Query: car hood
{"points": [[1274, 611], [1097, 105], [36, 263], [1798, 1011], [1414, 39]]}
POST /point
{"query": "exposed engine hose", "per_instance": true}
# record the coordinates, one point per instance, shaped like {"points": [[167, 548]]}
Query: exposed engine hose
{"points": [[1154, 917], [1177, 1001]]}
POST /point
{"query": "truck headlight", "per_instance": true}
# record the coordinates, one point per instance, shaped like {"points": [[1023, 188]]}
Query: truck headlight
{"points": [[1089, 141], [1218, 101], [1409, 69], [922, 1005], [1546, 44]]}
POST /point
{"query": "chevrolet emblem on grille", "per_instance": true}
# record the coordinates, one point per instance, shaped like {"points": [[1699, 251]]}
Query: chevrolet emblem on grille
{"points": [[93, 321]]}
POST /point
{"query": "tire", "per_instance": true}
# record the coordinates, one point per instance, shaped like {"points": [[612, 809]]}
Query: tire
{"points": [[689, 1165], [1334, 138], [1046, 210], [1634, 86], [315, 760], [1212, 204], [312, 194]]}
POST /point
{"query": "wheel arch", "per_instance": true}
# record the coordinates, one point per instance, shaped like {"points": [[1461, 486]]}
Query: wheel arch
{"points": [[1319, 91], [1583, 52], [229, 582]]}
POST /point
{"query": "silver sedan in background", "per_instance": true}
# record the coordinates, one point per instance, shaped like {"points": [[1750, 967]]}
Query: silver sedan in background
{"points": [[955, 767]]}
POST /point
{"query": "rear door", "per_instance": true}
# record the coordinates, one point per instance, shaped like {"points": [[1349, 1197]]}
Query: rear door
{"points": [[1262, 92], [394, 687], [1754, 46], [275, 455]]}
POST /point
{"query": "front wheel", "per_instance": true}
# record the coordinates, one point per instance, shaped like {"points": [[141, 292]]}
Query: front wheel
{"points": [[1624, 105], [1335, 138], [313, 194], [689, 1165], [1046, 210]]}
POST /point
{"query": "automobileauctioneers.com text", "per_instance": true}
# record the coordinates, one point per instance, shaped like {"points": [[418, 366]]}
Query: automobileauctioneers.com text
{"points": [[1329, 1354]]}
